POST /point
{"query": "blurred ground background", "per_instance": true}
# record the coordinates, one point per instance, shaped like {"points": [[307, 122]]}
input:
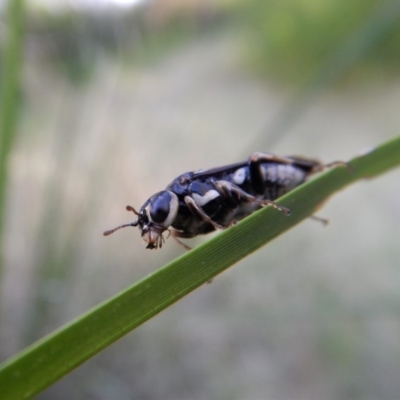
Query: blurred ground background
{"points": [[120, 98]]}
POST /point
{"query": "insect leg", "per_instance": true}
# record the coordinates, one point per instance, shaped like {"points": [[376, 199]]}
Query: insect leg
{"points": [[322, 167], [180, 234], [323, 221], [195, 209], [228, 189], [312, 166]]}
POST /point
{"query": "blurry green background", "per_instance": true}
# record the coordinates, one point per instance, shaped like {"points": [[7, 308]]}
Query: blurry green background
{"points": [[118, 98]]}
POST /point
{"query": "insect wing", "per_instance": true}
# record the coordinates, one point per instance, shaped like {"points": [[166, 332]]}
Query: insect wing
{"points": [[213, 172], [306, 164]]}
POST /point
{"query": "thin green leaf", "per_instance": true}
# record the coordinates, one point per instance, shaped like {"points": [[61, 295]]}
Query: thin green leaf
{"points": [[10, 90], [54, 356]]}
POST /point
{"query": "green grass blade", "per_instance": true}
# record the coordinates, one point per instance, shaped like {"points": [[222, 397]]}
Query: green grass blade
{"points": [[54, 356], [10, 90]]}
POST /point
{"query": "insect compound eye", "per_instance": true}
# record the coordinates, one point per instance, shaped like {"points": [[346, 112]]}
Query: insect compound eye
{"points": [[163, 208]]}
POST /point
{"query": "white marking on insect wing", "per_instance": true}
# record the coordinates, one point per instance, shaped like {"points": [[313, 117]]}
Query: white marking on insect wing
{"points": [[207, 197], [290, 176], [269, 173], [283, 171], [239, 176], [297, 175]]}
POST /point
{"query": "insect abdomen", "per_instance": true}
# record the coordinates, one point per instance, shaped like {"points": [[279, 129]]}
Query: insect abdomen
{"points": [[280, 179]]}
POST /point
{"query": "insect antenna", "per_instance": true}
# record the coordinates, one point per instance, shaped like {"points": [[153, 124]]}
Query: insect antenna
{"points": [[130, 208], [135, 223], [109, 232]]}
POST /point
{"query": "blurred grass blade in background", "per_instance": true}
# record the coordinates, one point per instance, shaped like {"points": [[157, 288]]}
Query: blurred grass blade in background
{"points": [[54, 356], [359, 44], [10, 86]]}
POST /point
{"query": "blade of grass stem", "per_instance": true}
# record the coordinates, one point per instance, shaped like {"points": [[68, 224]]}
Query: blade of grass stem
{"points": [[10, 91], [54, 356]]}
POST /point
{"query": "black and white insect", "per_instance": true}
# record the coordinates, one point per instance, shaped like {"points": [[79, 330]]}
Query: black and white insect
{"points": [[200, 202]]}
